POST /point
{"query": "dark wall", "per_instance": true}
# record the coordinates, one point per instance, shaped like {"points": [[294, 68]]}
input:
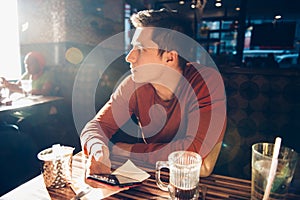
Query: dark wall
{"points": [[262, 104]]}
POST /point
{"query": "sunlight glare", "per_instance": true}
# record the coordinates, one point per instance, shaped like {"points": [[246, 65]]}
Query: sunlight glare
{"points": [[10, 66]]}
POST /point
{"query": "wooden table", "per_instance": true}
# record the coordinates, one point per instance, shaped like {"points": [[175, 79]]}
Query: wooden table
{"points": [[21, 106], [218, 187], [24, 102]]}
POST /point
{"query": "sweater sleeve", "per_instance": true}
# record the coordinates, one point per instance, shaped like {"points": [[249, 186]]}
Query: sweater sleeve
{"points": [[110, 117]]}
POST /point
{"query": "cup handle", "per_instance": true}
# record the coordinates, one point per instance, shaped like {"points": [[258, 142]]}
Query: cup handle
{"points": [[159, 166]]}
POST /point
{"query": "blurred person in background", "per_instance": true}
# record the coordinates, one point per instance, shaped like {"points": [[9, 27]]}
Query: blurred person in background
{"points": [[42, 80], [33, 121]]}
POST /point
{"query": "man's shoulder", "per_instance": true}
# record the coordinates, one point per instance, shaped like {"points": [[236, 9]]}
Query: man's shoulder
{"points": [[194, 67], [126, 82], [125, 86], [196, 70]]}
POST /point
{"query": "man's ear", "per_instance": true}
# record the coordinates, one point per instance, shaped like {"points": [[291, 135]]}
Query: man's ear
{"points": [[171, 57]]}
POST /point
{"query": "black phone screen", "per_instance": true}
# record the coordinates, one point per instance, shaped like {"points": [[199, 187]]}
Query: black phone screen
{"points": [[115, 180]]}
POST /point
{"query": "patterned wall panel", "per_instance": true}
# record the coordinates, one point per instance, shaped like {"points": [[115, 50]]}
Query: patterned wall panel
{"points": [[261, 105], [42, 21], [90, 28], [54, 26]]}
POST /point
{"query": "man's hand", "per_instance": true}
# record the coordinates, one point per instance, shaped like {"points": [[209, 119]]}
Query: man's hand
{"points": [[93, 166], [102, 166], [99, 162], [13, 87], [122, 149]]}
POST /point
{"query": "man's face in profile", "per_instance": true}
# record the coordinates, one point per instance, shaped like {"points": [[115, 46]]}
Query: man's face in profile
{"points": [[145, 62]]}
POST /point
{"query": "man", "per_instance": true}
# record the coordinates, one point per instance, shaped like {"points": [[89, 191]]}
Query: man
{"points": [[42, 80], [178, 107]]}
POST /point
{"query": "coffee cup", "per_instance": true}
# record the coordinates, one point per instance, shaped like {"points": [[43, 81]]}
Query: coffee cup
{"points": [[57, 165]]}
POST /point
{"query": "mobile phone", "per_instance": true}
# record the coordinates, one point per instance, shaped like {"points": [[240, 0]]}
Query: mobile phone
{"points": [[114, 180]]}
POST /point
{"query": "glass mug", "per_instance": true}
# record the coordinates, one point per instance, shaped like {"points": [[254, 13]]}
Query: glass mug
{"points": [[184, 167]]}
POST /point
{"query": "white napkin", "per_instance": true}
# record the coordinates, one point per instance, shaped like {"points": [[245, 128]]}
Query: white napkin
{"points": [[128, 169]]}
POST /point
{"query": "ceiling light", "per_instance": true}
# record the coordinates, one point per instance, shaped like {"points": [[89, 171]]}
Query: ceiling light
{"points": [[277, 17], [193, 4], [181, 2], [218, 4]]}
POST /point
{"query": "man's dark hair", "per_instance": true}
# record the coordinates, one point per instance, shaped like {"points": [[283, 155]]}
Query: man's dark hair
{"points": [[166, 19]]}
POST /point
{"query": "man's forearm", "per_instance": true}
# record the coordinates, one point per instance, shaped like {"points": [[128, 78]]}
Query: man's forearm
{"points": [[13, 87], [122, 149], [91, 140], [208, 163]]}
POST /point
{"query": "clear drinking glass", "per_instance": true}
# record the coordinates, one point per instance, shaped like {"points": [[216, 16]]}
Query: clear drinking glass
{"points": [[261, 162], [26, 87], [184, 174]]}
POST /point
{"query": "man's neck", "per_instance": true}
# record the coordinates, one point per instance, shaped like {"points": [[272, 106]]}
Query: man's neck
{"points": [[167, 85], [163, 92]]}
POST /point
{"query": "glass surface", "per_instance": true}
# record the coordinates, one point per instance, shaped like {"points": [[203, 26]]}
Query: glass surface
{"points": [[261, 162], [26, 87]]}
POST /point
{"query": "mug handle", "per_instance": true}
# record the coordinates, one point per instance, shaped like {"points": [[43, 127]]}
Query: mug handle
{"points": [[159, 166]]}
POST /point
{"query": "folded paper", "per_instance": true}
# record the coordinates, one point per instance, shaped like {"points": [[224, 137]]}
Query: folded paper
{"points": [[128, 169]]}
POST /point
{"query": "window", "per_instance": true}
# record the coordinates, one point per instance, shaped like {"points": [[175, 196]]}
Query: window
{"points": [[10, 66]]}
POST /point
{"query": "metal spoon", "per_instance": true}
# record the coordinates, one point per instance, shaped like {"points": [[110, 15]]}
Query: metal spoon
{"points": [[203, 191], [81, 193]]}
